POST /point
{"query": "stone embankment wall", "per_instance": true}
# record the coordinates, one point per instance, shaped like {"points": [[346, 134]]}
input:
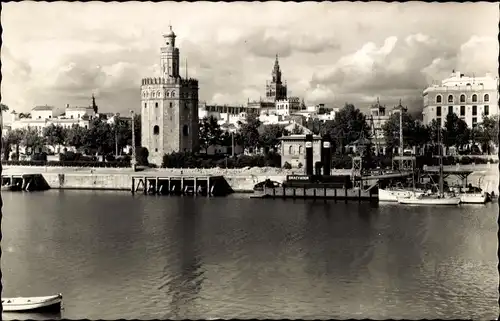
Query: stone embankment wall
{"points": [[240, 179]]}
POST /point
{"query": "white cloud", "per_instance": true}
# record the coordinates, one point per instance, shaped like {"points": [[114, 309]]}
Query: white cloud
{"points": [[329, 52]]}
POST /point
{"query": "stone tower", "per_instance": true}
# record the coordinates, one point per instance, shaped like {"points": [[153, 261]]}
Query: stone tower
{"points": [[169, 107], [276, 90]]}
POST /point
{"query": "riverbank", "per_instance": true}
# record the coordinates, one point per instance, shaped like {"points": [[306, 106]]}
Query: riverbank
{"points": [[240, 179]]}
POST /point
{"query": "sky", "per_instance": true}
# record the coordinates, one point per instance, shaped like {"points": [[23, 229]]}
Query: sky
{"points": [[330, 52]]}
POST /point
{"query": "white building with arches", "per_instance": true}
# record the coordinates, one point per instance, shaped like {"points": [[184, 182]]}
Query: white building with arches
{"points": [[468, 97], [169, 107]]}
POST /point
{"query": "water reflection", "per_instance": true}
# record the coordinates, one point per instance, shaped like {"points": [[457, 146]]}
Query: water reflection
{"points": [[185, 283], [31, 316]]}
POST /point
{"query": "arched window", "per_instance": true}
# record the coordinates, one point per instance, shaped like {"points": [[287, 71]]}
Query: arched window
{"points": [[158, 94], [474, 98], [450, 98], [300, 149], [170, 104], [462, 98], [173, 93], [185, 130], [438, 99], [156, 105], [156, 130], [153, 94], [486, 97], [145, 105], [290, 150], [168, 94]]}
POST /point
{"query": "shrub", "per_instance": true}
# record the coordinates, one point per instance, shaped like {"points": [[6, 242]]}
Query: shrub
{"points": [[110, 158], [141, 155], [67, 163], [14, 156], [39, 157], [287, 165]]}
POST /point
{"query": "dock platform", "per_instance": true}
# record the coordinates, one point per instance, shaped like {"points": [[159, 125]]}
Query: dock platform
{"points": [[316, 192], [24, 182], [181, 185]]}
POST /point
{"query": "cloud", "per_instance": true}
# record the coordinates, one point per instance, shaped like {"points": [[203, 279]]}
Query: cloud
{"points": [[404, 66], [329, 52]]}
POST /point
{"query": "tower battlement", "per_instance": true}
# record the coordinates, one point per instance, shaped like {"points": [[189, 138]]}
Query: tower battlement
{"points": [[191, 82], [153, 81]]}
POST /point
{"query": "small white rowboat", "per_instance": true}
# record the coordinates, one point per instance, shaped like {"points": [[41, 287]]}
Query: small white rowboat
{"points": [[52, 302]]}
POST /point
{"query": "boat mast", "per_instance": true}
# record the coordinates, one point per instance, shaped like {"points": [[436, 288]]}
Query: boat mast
{"points": [[441, 183]]}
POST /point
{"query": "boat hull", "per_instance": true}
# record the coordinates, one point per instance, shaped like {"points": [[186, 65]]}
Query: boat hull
{"points": [[473, 198], [32, 304], [386, 195], [429, 201]]}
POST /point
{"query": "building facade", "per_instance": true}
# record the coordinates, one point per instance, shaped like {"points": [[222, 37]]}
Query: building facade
{"points": [[468, 97], [44, 116], [169, 107], [293, 150]]}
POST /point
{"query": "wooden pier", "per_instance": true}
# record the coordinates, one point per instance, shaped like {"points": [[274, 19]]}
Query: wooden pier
{"points": [[181, 185], [24, 182]]}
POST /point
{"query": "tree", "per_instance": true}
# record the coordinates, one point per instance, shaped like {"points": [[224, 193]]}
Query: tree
{"points": [[54, 135], [414, 133], [314, 125], [250, 131], [456, 131], [100, 137], [32, 140], [209, 133], [269, 139], [297, 130], [487, 132], [15, 137], [349, 125], [77, 136]]}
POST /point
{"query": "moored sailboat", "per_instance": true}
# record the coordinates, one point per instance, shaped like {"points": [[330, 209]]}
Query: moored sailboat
{"points": [[439, 198]]}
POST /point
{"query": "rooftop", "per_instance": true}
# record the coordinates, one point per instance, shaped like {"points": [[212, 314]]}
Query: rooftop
{"points": [[43, 108]]}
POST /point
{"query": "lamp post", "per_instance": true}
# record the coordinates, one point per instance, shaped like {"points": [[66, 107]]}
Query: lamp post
{"points": [[133, 161]]}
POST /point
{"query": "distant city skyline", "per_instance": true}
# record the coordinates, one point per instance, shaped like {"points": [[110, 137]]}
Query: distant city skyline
{"points": [[329, 53]]}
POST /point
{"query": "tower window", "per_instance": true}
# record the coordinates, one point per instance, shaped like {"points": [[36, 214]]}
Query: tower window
{"points": [[156, 130], [153, 94], [168, 94], [156, 105], [145, 105], [173, 93], [486, 97], [185, 130], [170, 104], [474, 98]]}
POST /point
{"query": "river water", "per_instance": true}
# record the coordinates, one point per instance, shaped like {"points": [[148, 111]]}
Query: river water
{"points": [[114, 255]]}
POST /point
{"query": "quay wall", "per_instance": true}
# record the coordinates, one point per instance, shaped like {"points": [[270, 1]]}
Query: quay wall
{"points": [[240, 179]]}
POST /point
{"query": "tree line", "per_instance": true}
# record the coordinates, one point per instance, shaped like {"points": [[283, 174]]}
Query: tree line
{"points": [[99, 138]]}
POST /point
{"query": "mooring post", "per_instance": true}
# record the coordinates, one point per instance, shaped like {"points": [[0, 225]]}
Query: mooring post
{"points": [[208, 186], [195, 186], [133, 185], [157, 186], [182, 184], [146, 183]]}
